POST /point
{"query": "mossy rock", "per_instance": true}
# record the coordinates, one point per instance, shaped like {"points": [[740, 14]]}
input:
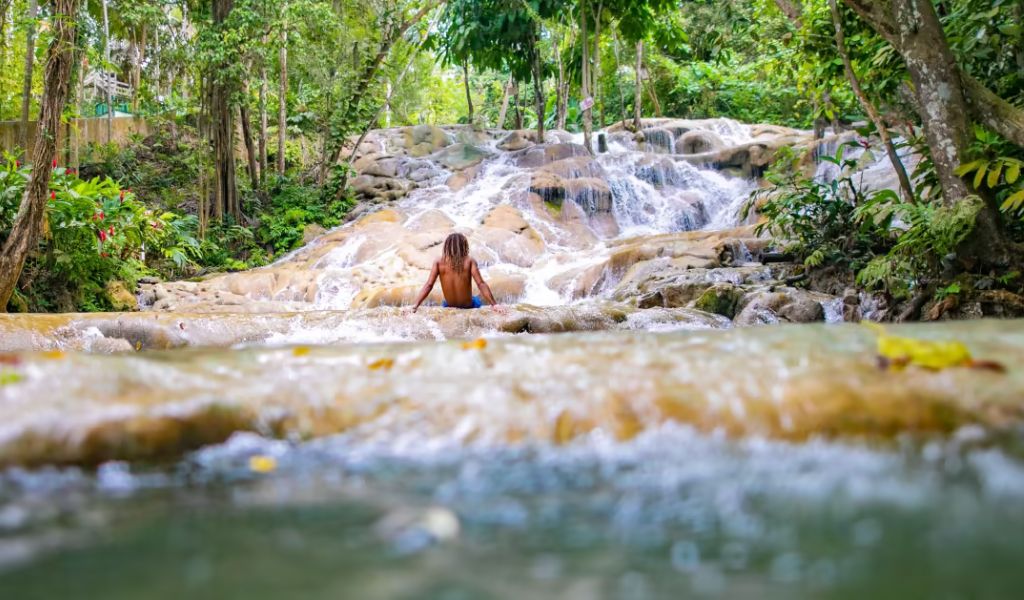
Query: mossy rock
{"points": [[120, 298], [720, 299]]}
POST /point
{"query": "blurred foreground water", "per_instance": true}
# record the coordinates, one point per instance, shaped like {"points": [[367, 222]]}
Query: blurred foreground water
{"points": [[631, 465]]}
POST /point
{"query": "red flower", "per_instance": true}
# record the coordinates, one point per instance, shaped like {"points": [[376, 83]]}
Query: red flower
{"points": [[103, 235], [122, 196], [55, 163], [17, 164], [104, 255], [53, 196], [111, 231]]}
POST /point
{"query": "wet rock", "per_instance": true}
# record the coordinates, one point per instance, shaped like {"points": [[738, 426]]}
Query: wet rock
{"points": [[422, 140], [1000, 303], [657, 139], [541, 155], [720, 299], [119, 297], [515, 141], [699, 142], [371, 188], [460, 156], [791, 305], [312, 231]]}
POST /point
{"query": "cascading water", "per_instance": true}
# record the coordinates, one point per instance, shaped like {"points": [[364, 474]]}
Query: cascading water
{"points": [[313, 449]]}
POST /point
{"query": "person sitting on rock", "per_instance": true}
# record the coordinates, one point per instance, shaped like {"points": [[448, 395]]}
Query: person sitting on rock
{"points": [[457, 271]]}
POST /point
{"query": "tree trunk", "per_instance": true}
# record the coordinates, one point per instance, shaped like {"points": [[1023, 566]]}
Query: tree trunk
{"points": [[618, 82], [560, 95], [504, 104], [469, 98], [638, 99], [263, 121], [29, 221], [30, 57], [588, 116], [986, 107], [518, 106], [650, 88], [869, 108], [944, 114], [250, 145], [538, 84], [282, 100], [106, 59], [595, 73], [226, 190]]}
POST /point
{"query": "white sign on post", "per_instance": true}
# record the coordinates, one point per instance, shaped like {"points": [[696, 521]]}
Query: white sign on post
{"points": [[587, 103]]}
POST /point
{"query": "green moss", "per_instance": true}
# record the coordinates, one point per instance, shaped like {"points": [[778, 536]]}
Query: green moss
{"points": [[721, 299]]}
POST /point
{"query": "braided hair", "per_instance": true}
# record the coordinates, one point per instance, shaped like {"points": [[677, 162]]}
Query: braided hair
{"points": [[456, 249]]}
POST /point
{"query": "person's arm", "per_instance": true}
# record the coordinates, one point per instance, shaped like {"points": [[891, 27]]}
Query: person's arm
{"points": [[480, 283], [431, 279]]}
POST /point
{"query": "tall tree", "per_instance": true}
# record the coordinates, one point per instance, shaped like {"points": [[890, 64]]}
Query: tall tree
{"points": [[30, 55], [282, 94], [225, 193], [28, 223]]}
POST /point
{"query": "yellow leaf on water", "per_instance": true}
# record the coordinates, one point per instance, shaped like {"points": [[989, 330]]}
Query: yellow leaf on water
{"points": [[936, 355], [53, 355], [477, 344], [382, 363], [300, 351], [262, 464], [9, 377]]}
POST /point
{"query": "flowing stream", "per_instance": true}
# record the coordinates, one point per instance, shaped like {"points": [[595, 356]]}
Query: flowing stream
{"points": [[293, 431]]}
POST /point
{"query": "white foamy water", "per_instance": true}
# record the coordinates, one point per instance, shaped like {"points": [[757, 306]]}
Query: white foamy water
{"points": [[651, 194]]}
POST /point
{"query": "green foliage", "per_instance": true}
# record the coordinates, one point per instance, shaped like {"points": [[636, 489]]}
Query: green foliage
{"points": [[926, 243], [95, 233], [291, 209], [995, 172], [819, 222], [889, 243]]}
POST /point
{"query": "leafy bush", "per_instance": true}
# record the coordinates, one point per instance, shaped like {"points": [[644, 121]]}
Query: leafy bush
{"points": [[291, 208], [818, 222], [94, 233]]}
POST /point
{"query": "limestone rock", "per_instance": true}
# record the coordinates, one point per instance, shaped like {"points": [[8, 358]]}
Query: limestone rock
{"points": [[720, 299], [119, 297], [460, 156], [422, 140]]}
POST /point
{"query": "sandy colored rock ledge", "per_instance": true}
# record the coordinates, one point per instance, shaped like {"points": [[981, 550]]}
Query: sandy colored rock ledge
{"points": [[787, 382]]}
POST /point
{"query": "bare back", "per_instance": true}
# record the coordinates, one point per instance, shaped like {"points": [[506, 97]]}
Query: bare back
{"points": [[457, 285]]}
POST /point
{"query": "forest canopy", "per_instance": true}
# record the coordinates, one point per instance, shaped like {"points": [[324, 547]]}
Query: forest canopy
{"points": [[294, 83]]}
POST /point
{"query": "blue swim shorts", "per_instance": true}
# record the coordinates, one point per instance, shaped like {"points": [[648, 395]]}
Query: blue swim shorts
{"points": [[477, 303]]}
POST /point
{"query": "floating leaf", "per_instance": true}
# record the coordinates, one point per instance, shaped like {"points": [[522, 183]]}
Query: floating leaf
{"points": [[54, 355], [477, 344], [300, 351], [382, 363], [898, 352], [262, 464], [9, 377]]}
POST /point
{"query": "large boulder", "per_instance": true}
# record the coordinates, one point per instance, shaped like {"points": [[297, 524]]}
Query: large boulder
{"points": [[458, 157], [422, 140], [699, 142], [542, 154], [789, 305], [657, 139]]}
